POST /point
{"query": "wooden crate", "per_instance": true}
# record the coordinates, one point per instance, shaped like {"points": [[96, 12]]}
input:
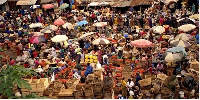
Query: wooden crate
{"points": [[79, 86], [66, 92], [78, 92], [97, 89], [43, 83], [40, 93], [88, 93], [79, 97], [25, 93], [33, 84]]}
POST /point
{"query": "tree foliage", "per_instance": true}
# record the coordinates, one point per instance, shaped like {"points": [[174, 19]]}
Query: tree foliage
{"points": [[11, 76]]}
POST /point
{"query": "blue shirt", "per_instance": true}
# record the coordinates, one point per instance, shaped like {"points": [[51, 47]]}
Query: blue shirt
{"points": [[87, 45]]}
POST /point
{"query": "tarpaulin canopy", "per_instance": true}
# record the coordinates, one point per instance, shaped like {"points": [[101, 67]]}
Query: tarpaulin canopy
{"points": [[2, 2], [26, 2]]}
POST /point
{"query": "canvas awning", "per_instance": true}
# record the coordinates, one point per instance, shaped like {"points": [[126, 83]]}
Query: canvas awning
{"points": [[2, 2], [46, 1], [140, 2], [26, 2], [122, 4]]}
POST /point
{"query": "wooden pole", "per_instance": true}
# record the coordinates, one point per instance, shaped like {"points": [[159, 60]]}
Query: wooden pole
{"points": [[140, 9]]}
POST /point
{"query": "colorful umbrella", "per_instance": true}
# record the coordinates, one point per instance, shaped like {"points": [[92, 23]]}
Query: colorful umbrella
{"points": [[35, 25], [177, 50], [100, 41], [186, 27], [81, 23], [184, 36], [48, 6], [195, 16], [173, 57], [141, 43], [181, 43], [59, 22], [68, 25], [100, 24], [37, 39], [59, 38], [64, 5], [85, 35]]}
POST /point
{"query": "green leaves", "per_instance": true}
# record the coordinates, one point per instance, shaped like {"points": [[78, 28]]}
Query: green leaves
{"points": [[11, 76]]}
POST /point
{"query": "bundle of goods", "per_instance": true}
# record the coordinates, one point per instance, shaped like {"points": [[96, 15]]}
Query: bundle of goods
{"points": [[145, 84], [91, 59]]}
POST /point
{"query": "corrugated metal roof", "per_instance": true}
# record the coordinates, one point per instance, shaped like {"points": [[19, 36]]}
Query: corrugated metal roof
{"points": [[140, 2]]}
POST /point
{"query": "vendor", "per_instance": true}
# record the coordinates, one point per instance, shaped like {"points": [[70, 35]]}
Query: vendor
{"points": [[89, 69]]}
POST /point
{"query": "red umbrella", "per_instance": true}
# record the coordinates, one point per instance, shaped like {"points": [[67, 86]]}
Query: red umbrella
{"points": [[59, 22], [141, 43], [48, 6]]}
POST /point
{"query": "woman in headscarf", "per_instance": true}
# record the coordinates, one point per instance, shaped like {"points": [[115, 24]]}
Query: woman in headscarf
{"points": [[124, 87]]}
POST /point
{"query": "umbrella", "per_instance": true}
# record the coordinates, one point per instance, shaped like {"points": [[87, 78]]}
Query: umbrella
{"points": [[35, 25], [35, 34], [104, 3], [158, 29], [166, 2], [81, 23], [184, 36], [48, 6], [37, 39], [2, 2], [52, 27], [181, 43], [100, 24], [186, 20], [141, 43], [100, 41], [64, 5], [68, 25], [59, 22], [173, 57], [59, 38], [93, 4], [177, 49], [186, 27], [85, 35], [195, 16], [47, 31]]}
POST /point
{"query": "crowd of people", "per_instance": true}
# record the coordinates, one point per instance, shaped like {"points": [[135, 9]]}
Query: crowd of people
{"points": [[36, 50]]}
